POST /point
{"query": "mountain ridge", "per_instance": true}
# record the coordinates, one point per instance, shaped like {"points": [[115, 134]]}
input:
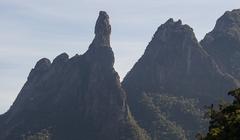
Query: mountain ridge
{"points": [[174, 66], [76, 98], [223, 42], [161, 97]]}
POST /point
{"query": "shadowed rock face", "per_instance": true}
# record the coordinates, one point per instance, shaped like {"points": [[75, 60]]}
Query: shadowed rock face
{"points": [[76, 98], [175, 62], [223, 43], [174, 66], [102, 30], [82, 98]]}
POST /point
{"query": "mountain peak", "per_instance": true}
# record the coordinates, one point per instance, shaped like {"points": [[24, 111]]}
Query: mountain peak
{"points": [[100, 49], [233, 14], [61, 59], [229, 22], [227, 28], [223, 42], [173, 30], [102, 31], [174, 64], [103, 26], [43, 63], [82, 93], [175, 25], [172, 22]]}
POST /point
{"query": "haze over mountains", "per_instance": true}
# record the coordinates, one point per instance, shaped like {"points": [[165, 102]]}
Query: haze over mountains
{"points": [[162, 96]]}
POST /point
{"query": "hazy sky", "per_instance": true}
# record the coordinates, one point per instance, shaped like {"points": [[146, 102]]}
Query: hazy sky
{"points": [[30, 30]]}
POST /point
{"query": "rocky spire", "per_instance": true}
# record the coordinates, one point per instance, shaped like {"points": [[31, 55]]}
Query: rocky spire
{"points": [[100, 50], [82, 93], [102, 30]]}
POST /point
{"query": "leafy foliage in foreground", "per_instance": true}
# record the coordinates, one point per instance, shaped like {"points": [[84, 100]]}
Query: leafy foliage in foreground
{"points": [[225, 120]]}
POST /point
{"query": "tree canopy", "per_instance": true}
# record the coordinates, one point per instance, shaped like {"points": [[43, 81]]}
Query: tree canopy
{"points": [[225, 120]]}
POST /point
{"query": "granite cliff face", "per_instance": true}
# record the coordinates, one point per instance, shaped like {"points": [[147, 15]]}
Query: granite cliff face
{"points": [[74, 98], [223, 43], [168, 81]]}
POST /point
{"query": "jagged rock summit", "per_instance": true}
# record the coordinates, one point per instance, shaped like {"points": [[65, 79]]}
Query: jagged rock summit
{"points": [[74, 98], [169, 81]]}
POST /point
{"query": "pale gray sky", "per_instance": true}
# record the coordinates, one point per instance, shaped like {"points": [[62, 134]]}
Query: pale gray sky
{"points": [[30, 30]]}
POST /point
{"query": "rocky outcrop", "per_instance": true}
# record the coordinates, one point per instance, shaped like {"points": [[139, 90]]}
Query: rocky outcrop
{"points": [[174, 67], [223, 43], [76, 98]]}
